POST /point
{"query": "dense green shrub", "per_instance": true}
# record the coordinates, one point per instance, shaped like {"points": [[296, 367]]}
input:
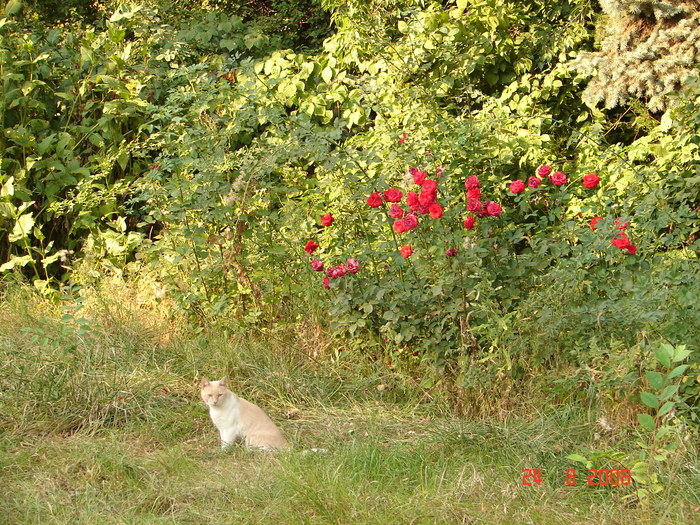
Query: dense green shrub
{"points": [[204, 151], [53, 11]]}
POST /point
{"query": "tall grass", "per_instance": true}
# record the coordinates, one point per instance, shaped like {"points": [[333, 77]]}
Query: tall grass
{"points": [[101, 423]]}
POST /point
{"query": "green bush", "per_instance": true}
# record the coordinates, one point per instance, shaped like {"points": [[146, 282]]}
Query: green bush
{"points": [[202, 150]]}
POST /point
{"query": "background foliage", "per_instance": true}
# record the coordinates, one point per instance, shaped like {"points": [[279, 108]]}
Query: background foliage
{"points": [[198, 145]]}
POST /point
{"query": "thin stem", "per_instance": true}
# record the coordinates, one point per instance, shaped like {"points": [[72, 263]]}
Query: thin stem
{"points": [[371, 253], [223, 270], [194, 246]]}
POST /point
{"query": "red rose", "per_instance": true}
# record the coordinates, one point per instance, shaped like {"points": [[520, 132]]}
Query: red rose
{"points": [[422, 209], [474, 205], [494, 209], [327, 219], [310, 247], [426, 198], [517, 186], [395, 211], [412, 199], [469, 222], [399, 226], [317, 265], [403, 137], [621, 242], [474, 193], [393, 195], [451, 252], [472, 182], [352, 265], [544, 170], [429, 185], [374, 200], [534, 182], [336, 271], [435, 210], [623, 226], [631, 249], [594, 222], [429, 193], [418, 175], [557, 178], [590, 181], [410, 221], [326, 283], [406, 251]]}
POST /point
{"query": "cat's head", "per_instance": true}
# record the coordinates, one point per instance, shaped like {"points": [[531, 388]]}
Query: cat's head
{"points": [[214, 392]]}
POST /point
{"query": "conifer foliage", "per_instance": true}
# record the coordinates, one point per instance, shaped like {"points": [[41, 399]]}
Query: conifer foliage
{"points": [[649, 49]]}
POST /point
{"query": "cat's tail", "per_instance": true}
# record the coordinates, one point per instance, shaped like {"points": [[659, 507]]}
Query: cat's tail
{"points": [[316, 451]]}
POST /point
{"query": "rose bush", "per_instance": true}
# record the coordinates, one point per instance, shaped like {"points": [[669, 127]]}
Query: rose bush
{"points": [[486, 231]]}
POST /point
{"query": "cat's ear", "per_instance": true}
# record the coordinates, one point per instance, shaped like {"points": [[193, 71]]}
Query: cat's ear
{"points": [[222, 382], [205, 382]]}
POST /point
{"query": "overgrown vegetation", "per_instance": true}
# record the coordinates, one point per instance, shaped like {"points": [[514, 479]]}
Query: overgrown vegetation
{"points": [[396, 192], [101, 422]]}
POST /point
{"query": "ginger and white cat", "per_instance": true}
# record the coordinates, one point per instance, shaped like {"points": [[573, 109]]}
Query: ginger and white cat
{"points": [[239, 420]]}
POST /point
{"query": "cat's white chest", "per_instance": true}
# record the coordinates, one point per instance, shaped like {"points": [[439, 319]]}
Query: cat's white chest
{"points": [[227, 418]]}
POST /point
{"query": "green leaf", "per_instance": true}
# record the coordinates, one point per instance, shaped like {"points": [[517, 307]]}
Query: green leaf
{"points": [[7, 210], [681, 353], [666, 408], [640, 467], [45, 144], [655, 379], [50, 259], [668, 392], [578, 458], [38, 234], [327, 74], [116, 17], [228, 44], [427, 382], [390, 315], [663, 356], [123, 159], [24, 206], [20, 262], [288, 89], [23, 226], [662, 432], [96, 139], [649, 399], [646, 421], [8, 189], [491, 77], [13, 7], [677, 371]]}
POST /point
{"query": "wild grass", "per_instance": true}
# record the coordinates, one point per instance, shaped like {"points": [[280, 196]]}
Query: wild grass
{"points": [[101, 423]]}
